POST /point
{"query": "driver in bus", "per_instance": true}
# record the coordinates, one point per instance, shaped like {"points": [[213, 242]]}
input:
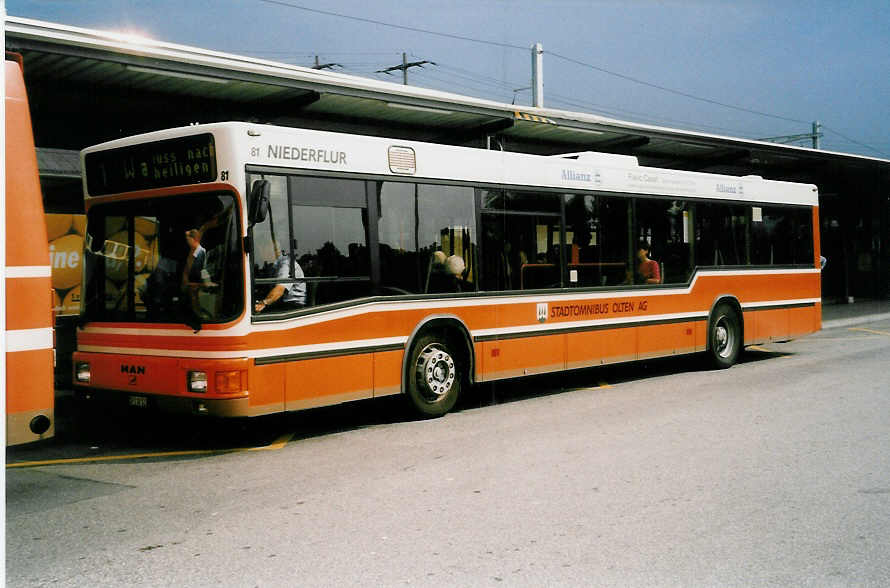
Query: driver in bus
{"points": [[287, 295]]}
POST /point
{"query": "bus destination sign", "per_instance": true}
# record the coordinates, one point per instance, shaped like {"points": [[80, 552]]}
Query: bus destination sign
{"points": [[160, 164]]}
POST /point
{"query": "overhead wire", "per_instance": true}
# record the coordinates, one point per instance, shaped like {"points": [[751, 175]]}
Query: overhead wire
{"points": [[573, 102], [643, 117], [446, 84], [394, 26], [853, 141], [509, 90], [673, 91], [476, 75], [565, 58], [456, 79], [522, 48]]}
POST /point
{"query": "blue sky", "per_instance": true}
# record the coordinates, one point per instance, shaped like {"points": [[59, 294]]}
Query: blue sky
{"points": [[796, 61]]}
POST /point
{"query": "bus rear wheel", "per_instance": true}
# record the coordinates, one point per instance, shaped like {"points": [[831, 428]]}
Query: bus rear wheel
{"points": [[434, 377], [724, 337]]}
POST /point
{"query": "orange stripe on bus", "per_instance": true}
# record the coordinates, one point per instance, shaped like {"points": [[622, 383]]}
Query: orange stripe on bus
{"points": [[29, 380], [28, 303], [378, 323], [24, 210]]}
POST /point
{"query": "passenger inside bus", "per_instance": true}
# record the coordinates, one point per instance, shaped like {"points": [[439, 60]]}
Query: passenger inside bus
{"points": [[435, 271], [648, 271], [201, 266], [193, 272], [506, 261], [447, 274]]}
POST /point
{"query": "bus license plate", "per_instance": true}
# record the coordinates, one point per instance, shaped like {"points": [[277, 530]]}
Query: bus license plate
{"points": [[139, 401]]}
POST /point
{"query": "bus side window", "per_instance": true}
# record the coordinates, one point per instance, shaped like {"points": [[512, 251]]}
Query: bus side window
{"points": [[665, 226], [721, 234], [597, 232], [781, 235], [420, 226], [329, 218], [401, 266], [521, 240]]}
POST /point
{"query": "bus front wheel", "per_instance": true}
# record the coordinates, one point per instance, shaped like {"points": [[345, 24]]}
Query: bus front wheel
{"points": [[434, 377], [724, 337]]}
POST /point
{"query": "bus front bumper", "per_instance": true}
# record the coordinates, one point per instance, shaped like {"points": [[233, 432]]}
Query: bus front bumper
{"points": [[216, 387]]}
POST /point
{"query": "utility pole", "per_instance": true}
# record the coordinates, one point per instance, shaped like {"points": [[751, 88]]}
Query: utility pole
{"points": [[814, 136], [324, 65], [405, 69], [538, 75], [517, 90], [405, 65]]}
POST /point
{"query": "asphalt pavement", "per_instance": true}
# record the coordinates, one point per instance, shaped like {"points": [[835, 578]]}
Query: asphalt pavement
{"points": [[775, 472], [842, 314]]}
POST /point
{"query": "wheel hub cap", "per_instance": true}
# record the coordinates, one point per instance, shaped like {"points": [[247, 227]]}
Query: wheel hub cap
{"points": [[724, 339], [435, 371], [721, 336]]}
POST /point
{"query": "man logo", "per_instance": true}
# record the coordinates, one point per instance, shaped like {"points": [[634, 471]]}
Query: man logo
{"points": [[133, 372], [542, 312]]}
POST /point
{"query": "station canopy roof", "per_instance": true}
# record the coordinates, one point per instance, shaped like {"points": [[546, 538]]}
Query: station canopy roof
{"points": [[88, 86]]}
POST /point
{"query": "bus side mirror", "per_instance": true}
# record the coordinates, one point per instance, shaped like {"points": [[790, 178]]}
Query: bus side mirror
{"points": [[258, 201]]}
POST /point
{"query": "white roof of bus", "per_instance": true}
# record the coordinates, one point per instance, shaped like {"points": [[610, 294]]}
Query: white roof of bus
{"points": [[286, 147]]}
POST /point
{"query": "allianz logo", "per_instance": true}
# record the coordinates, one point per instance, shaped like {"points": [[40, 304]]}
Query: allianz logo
{"points": [[575, 176], [730, 188]]}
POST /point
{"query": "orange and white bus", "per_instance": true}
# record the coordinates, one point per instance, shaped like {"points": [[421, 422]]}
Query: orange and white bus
{"points": [[242, 269], [30, 394]]}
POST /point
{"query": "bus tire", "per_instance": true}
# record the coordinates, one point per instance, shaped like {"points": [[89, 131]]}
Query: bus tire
{"points": [[724, 337], [434, 376]]}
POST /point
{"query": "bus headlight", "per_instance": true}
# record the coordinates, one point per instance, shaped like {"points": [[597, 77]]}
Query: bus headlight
{"points": [[197, 382], [82, 372]]}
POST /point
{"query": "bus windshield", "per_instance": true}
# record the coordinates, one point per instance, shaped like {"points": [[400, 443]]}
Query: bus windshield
{"points": [[173, 259]]}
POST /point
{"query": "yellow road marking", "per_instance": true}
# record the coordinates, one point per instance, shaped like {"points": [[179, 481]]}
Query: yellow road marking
{"points": [[852, 337], [74, 460], [592, 388], [275, 445], [758, 348], [872, 331], [817, 339]]}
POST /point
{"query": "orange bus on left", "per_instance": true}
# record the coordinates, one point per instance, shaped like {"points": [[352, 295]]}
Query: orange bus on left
{"points": [[29, 315]]}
